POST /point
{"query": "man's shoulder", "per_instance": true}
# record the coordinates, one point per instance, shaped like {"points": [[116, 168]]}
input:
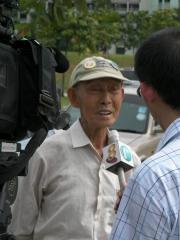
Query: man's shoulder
{"points": [[156, 168], [58, 137]]}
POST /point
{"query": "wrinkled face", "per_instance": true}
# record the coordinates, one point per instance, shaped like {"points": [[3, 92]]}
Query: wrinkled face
{"points": [[99, 101]]}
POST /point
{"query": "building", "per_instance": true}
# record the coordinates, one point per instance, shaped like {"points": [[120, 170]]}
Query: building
{"points": [[154, 5], [123, 6]]}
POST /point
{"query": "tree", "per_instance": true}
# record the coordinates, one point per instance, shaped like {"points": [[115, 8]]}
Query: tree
{"points": [[164, 18], [68, 24], [107, 30], [135, 28], [48, 13]]}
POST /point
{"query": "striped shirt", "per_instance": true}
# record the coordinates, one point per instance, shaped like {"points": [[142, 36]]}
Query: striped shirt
{"points": [[150, 206]]}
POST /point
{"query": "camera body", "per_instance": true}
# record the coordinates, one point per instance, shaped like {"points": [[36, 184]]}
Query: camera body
{"points": [[29, 100], [28, 103]]}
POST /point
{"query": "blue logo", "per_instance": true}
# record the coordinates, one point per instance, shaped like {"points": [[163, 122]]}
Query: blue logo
{"points": [[126, 153]]}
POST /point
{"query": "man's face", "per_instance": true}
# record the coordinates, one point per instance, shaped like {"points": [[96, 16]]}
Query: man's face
{"points": [[99, 102]]}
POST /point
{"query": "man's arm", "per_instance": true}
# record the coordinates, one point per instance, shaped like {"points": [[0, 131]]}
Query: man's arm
{"points": [[28, 201]]}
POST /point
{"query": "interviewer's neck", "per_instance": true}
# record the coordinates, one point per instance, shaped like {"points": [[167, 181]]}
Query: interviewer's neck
{"points": [[166, 115]]}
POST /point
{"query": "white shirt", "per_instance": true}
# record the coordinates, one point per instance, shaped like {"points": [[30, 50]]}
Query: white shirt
{"points": [[150, 207], [67, 194]]}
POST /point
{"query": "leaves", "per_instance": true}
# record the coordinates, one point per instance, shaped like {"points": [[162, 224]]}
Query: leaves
{"points": [[69, 25]]}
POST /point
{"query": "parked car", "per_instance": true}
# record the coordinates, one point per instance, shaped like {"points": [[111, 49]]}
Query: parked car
{"points": [[135, 124], [129, 73]]}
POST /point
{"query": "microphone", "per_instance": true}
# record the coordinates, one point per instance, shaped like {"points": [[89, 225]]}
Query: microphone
{"points": [[118, 158]]}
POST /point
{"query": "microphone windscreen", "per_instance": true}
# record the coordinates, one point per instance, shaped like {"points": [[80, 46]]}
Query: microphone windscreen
{"points": [[61, 60]]}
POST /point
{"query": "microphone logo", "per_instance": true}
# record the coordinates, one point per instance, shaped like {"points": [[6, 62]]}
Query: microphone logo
{"points": [[117, 155], [127, 155], [111, 154]]}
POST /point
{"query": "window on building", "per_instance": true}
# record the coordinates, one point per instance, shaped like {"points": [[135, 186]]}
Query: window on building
{"points": [[23, 15], [134, 6], [165, 1], [120, 7], [164, 4], [90, 6], [123, 6]]}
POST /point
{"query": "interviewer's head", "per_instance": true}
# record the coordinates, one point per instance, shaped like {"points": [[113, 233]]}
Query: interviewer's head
{"points": [[157, 64]]}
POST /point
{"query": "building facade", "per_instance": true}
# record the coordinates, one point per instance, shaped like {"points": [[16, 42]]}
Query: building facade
{"points": [[155, 5], [123, 6]]}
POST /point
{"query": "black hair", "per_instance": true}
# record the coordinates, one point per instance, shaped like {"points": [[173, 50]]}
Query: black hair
{"points": [[157, 62]]}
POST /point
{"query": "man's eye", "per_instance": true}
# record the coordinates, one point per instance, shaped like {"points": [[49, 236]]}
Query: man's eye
{"points": [[114, 89]]}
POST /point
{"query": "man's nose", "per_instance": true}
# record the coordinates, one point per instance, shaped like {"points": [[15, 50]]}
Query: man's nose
{"points": [[105, 97]]}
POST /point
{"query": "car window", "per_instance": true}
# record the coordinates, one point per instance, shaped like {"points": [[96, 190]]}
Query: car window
{"points": [[130, 74], [133, 116], [74, 113]]}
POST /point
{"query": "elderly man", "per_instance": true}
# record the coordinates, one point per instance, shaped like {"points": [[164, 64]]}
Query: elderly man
{"points": [[68, 194]]}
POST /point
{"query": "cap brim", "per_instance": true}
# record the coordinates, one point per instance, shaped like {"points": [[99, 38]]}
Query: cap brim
{"points": [[103, 74]]}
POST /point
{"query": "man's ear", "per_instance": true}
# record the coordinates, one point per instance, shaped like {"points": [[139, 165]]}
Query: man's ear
{"points": [[123, 93], [73, 97], [148, 93]]}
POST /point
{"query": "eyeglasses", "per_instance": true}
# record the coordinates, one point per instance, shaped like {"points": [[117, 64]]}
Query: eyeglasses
{"points": [[139, 91]]}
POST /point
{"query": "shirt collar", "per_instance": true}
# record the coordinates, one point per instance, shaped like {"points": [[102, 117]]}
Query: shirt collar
{"points": [[78, 136], [171, 133]]}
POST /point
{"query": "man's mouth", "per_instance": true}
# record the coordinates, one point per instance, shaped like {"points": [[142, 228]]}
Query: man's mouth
{"points": [[105, 112]]}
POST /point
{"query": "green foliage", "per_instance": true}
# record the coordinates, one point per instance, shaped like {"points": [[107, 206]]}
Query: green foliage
{"points": [[164, 18], [26, 5], [69, 26], [107, 29], [135, 28]]}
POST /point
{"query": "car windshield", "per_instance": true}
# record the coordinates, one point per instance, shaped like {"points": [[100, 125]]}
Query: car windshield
{"points": [[130, 74], [74, 113], [133, 116]]}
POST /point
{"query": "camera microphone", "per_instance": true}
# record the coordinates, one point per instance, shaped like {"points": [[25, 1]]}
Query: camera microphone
{"points": [[61, 60]]}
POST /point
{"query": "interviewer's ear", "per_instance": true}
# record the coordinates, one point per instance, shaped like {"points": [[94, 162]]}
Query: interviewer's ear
{"points": [[148, 92], [73, 98]]}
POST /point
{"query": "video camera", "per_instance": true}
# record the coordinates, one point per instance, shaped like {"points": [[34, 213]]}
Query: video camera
{"points": [[28, 103]]}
